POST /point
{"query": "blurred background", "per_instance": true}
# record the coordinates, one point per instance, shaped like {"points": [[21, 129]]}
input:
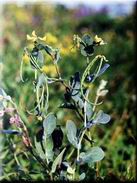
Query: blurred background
{"points": [[114, 22]]}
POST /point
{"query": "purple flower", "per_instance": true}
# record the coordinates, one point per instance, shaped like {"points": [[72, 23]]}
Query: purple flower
{"points": [[15, 119], [12, 120]]}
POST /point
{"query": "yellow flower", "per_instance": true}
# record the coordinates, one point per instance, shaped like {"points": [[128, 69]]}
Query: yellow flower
{"points": [[25, 58], [64, 51], [34, 34], [43, 38], [39, 118], [50, 38], [32, 38], [88, 85], [99, 40], [44, 68], [49, 69], [30, 46]]}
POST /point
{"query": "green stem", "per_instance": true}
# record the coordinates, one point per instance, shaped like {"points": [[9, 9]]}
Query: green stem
{"points": [[85, 74], [79, 144], [57, 70], [47, 96], [21, 69], [70, 154], [35, 74]]}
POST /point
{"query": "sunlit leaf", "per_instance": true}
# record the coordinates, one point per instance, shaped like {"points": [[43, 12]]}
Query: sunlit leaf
{"points": [[57, 161], [70, 170]]}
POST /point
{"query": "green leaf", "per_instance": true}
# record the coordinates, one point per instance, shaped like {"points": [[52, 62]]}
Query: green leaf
{"points": [[82, 176], [39, 149], [48, 147], [94, 154], [57, 161], [49, 124], [71, 133], [78, 100], [89, 110], [101, 117], [70, 170], [84, 53]]}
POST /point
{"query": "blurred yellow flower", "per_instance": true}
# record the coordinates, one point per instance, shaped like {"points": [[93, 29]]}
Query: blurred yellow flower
{"points": [[32, 38], [44, 68], [30, 46], [25, 58], [64, 51], [50, 38], [49, 69], [88, 85], [34, 34]]}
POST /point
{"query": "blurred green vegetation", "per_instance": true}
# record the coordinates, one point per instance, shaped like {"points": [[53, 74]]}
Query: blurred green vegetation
{"points": [[118, 137]]}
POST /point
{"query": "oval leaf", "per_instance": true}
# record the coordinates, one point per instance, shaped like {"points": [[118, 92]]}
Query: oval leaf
{"points": [[82, 176], [71, 132], [101, 117], [49, 124], [94, 154]]}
